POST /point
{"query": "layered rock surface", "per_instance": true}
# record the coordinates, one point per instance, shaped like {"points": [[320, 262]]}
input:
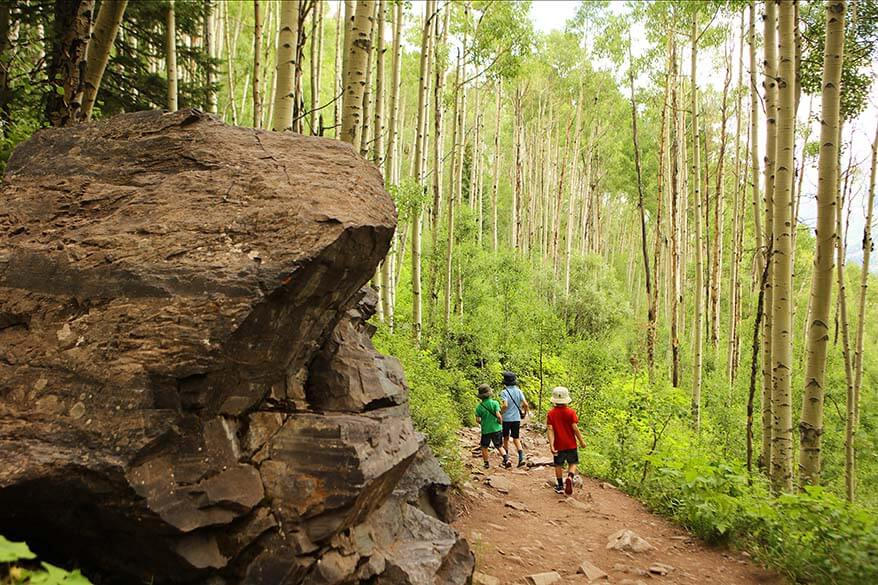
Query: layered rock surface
{"points": [[188, 390]]}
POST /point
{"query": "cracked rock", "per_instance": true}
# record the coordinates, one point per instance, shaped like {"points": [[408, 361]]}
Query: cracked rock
{"points": [[188, 389]]}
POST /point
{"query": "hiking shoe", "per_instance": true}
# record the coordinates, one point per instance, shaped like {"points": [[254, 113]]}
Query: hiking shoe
{"points": [[507, 464], [487, 465], [522, 463], [568, 485], [559, 489]]}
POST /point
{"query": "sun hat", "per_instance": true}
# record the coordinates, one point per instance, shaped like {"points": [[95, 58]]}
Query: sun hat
{"points": [[509, 379], [560, 395], [484, 390]]}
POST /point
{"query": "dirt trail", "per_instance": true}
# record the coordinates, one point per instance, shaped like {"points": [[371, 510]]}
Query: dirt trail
{"points": [[520, 526]]}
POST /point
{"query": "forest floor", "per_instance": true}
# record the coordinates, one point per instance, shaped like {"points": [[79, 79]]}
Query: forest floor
{"points": [[518, 526]]}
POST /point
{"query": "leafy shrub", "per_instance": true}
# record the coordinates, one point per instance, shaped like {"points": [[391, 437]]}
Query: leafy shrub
{"points": [[15, 562]]}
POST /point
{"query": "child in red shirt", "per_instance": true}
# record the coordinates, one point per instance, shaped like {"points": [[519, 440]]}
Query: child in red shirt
{"points": [[563, 433]]}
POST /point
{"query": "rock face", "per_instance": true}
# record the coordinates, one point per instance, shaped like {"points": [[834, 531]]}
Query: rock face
{"points": [[188, 390]]}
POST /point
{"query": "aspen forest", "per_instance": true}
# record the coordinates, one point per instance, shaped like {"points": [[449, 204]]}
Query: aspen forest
{"points": [[666, 207]]}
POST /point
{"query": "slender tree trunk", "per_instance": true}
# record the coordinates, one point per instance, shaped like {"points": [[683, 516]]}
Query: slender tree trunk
{"points": [[338, 88], [731, 354], [699, 247], [659, 237], [420, 148], [316, 61], [677, 170], [574, 193], [393, 120], [286, 62], [366, 133], [5, 65], [496, 184], [210, 51], [171, 56], [770, 85], [850, 403], [106, 28], [452, 201], [68, 59], [811, 424], [650, 313], [719, 215], [357, 57], [782, 343], [257, 65], [516, 183]]}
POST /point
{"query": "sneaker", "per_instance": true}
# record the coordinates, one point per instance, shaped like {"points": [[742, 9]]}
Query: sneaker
{"points": [[568, 485], [559, 489], [507, 464], [522, 462], [487, 465]]}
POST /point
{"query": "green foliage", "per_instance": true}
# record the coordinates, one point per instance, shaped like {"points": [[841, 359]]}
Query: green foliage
{"points": [[16, 562], [860, 50]]}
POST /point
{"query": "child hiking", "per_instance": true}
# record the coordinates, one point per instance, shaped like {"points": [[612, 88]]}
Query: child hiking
{"points": [[514, 407], [488, 416], [563, 434]]}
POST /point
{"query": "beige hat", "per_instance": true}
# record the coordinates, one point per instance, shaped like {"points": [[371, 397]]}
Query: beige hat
{"points": [[484, 390], [560, 395]]}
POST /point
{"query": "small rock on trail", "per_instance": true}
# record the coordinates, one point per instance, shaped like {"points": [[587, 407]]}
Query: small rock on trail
{"points": [[592, 572], [544, 578], [628, 540]]}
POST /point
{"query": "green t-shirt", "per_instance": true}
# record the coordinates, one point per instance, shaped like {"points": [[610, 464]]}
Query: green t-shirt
{"points": [[486, 410]]}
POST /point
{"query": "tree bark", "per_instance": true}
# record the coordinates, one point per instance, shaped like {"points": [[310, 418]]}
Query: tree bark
{"points": [[286, 61], [356, 57], [719, 216], [699, 244], [811, 424], [419, 151], [366, 132], [770, 85], [496, 184], [782, 343], [67, 65], [171, 56], [257, 64], [106, 28], [316, 118], [650, 313], [731, 354]]}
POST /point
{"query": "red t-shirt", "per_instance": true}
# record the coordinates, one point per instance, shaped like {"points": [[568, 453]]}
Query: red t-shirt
{"points": [[562, 419]]}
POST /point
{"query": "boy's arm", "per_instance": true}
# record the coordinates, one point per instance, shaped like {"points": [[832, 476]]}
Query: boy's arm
{"points": [[503, 404], [525, 407], [498, 415], [550, 432], [578, 434]]}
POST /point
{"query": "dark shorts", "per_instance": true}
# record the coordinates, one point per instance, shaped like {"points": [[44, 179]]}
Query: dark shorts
{"points": [[566, 457], [511, 428], [496, 438]]}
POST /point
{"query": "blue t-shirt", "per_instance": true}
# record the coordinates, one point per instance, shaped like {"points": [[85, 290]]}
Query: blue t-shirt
{"points": [[512, 395]]}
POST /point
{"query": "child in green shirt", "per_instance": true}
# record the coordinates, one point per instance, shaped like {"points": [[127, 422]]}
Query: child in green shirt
{"points": [[488, 416]]}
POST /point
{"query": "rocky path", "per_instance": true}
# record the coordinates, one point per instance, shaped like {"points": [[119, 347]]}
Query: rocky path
{"points": [[521, 531]]}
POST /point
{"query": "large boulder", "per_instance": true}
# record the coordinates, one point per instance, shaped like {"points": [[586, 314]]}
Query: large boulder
{"points": [[188, 389]]}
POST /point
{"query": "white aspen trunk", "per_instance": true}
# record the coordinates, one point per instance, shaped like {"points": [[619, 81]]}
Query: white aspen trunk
{"points": [[106, 28], [171, 56], [419, 154], [355, 83], [316, 118], [286, 62], [782, 343], [699, 243]]}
